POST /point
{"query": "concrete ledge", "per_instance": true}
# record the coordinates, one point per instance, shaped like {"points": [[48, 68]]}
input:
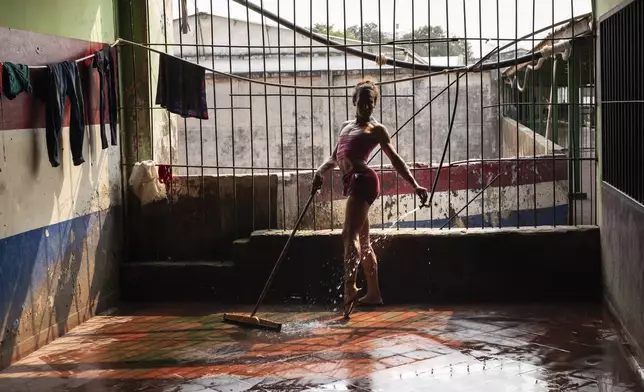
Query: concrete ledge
{"points": [[429, 265]]}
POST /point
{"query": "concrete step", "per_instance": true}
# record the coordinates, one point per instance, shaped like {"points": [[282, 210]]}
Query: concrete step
{"points": [[177, 281], [427, 266]]}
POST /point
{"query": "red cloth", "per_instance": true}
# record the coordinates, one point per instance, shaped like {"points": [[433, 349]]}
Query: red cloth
{"points": [[165, 174]]}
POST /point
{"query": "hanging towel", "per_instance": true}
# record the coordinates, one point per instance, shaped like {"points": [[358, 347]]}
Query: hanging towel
{"points": [[15, 80], [182, 87]]}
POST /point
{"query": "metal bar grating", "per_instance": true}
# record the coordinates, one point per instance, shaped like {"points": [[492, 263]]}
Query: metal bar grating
{"points": [[277, 99], [622, 99]]}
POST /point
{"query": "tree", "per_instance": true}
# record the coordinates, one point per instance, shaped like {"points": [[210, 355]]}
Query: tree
{"points": [[428, 49], [369, 32], [323, 29]]}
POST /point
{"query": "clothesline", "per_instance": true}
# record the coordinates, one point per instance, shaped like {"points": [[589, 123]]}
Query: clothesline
{"points": [[547, 51], [257, 81], [121, 41], [80, 60]]}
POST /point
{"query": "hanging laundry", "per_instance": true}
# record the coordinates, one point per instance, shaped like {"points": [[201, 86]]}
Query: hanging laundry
{"points": [[104, 63], [182, 87], [65, 81], [15, 80]]}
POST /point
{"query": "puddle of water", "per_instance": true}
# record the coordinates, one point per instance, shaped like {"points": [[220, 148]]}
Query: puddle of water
{"points": [[295, 328]]}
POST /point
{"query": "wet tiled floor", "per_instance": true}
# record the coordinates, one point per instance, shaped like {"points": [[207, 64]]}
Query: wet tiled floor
{"points": [[190, 349]]}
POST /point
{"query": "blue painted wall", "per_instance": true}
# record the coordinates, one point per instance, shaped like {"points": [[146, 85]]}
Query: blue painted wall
{"points": [[56, 277]]}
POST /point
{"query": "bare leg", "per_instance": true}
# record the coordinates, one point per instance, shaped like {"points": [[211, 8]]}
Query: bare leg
{"points": [[370, 268], [355, 216]]}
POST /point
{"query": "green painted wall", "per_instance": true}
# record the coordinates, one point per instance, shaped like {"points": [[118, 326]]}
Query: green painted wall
{"points": [[603, 6], [82, 19]]}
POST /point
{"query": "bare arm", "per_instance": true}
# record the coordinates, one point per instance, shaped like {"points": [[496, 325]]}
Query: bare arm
{"points": [[329, 164], [401, 167], [331, 161]]}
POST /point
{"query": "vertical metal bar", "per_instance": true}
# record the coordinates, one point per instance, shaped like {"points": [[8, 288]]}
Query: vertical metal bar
{"points": [[232, 122], [166, 47], [268, 160], [148, 58], [295, 112], [573, 130], [430, 165], [382, 176], [382, 172], [136, 97], [413, 105], [204, 215], [346, 65], [328, 94], [214, 105], [124, 153], [396, 120], [520, 110], [636, 57], [499, 108], [203, 184], [467, 128], [361, 39], [279, 78], [149, 55], [311, 101], [250, 115], [591, 124], [554, 108], [534, 128], [449, 112], [483, 116], [185, 120]]}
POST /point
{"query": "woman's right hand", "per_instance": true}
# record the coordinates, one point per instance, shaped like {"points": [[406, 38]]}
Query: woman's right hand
{"points": [[422, 194]]}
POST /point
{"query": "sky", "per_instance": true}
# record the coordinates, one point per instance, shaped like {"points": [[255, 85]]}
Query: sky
{"points": [[463, 18]]}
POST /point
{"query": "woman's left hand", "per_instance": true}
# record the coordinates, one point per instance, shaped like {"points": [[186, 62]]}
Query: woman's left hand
{"points": [[422, 194]]}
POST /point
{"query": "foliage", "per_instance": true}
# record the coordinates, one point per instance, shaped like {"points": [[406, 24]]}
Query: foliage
{"points": [[370, 32]]}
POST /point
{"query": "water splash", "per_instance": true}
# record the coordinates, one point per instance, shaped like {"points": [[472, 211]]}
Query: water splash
{"points": [[404, 216], [393, 225]]}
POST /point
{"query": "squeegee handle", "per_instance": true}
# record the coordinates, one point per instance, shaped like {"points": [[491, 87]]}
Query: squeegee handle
{"points": [[279, 259]]}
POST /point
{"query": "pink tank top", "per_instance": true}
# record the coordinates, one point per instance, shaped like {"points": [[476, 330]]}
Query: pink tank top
{"points": [[356, 147]]}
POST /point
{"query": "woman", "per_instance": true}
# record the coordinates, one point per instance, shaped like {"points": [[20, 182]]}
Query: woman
{"points": [[357, 140]]}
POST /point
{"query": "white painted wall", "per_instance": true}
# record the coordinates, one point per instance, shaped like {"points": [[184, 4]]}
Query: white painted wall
{"points": [[34, 194]]}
